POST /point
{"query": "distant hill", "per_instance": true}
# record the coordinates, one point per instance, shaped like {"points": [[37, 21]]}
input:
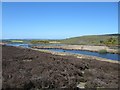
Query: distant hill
{"points": [[109, 39], [106, 39]]}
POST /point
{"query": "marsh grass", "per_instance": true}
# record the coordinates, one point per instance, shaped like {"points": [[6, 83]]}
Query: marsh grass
{"points": [[103, 51]]}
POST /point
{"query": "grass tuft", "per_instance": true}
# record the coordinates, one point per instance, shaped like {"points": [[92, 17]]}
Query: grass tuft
{"points": [[103, 51]]}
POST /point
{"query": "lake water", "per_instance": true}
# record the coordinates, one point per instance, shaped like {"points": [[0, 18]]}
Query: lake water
{"points": [[17, 44], [29, 45], [107, 55]]}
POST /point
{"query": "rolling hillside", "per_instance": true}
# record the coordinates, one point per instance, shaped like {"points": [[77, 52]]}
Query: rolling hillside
{"points": [[108, 39], [93, 40]]}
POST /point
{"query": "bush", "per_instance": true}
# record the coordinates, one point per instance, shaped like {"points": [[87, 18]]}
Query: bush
{"points": [[103, 51], [39, 42]]}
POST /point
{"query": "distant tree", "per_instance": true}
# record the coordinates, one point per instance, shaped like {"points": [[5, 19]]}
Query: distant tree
{"points": [[39, 42]]}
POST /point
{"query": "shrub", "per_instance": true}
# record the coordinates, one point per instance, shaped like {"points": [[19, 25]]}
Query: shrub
{"points": [[39, 42], [103, 51]]}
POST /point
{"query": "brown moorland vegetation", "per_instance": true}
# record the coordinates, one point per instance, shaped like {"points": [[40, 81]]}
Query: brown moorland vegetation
{"points": [[30, 70]]}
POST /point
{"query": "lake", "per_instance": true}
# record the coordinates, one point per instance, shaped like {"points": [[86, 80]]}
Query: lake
{"points": [[106, 55]]}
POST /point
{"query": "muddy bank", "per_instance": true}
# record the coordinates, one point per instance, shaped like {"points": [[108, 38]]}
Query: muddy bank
{"points": [[29, 69], [80, 47]]}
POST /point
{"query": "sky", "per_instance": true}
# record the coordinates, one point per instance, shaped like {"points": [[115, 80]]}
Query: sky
{"points": [[58, 20]]}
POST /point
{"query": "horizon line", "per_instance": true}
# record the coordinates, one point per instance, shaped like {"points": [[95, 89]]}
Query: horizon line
{"points": [[62, 38]]}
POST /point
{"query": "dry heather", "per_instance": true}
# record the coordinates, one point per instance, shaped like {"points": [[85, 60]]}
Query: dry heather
{"points": [[30, 70]]}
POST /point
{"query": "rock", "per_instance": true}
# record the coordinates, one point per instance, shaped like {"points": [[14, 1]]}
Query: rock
{"points": [[81, 85]]}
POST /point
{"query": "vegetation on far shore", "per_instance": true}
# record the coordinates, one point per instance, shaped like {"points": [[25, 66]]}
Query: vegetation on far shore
{"points": [[39, 42], [107, 40]]}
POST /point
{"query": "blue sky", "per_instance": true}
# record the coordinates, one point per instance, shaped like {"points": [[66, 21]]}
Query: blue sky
{"points": [[25, 20]]}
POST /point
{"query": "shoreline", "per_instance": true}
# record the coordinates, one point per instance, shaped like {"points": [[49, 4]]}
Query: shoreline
{"points": [[78, 55], [80, 47], [71, 54]]}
